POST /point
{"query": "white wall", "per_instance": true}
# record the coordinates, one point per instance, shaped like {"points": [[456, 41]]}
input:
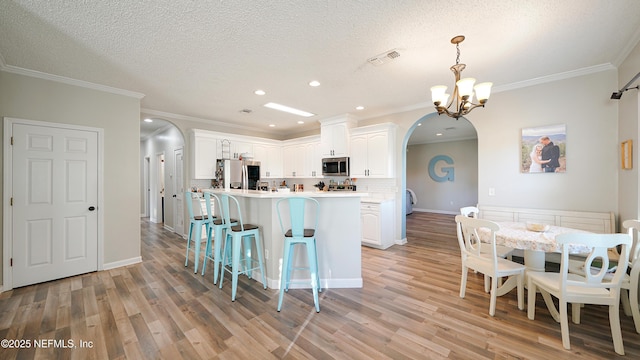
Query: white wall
{"points": [[31, 98], [447, 196]]}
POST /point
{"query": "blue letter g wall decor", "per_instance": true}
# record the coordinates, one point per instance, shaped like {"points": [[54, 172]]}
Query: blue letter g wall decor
{"points": [[447, 170]]}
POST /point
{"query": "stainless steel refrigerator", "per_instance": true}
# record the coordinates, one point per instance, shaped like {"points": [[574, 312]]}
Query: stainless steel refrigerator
{"points": [[242, 174]]}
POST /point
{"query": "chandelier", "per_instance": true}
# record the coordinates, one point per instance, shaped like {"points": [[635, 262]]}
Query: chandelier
{"points": [[462, 92]]}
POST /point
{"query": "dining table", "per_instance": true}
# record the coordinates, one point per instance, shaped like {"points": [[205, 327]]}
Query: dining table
{"points": [[536, 240], [535, 244]]}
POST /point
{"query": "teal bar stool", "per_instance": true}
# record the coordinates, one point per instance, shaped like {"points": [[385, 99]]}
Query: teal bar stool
{"points": [[217, 227], [299, 235], [195, 222], [237, 238]]}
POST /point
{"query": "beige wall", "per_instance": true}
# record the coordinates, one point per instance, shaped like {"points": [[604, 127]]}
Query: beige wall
{"points": [[629, 117], [447, 196], [31, 98], [581, 102]]}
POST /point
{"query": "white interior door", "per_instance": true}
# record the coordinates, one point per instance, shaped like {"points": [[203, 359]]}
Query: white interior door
{"points": [[55, 199], [178, 207]]}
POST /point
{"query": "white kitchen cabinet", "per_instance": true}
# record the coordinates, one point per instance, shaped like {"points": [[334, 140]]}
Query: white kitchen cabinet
{"points": [[378, 223], [270, 157], [334, 136], [373, 151], [302, 159], [203, 159], [315, 159], [292, 161], [240, 147]]}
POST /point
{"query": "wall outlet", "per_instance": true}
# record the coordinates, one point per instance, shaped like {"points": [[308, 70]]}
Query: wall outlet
{"points": [[492, 191], [266, 254]]}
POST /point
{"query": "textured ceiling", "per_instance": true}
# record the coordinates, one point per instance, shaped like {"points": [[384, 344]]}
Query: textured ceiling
{"points": [[204, 59]]}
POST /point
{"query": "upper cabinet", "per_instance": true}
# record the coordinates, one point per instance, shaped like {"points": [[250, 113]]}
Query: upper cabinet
{"points": [[373, 151], [301, 158], [204, 155], [270, 157], [334, 135], [233, 148]]}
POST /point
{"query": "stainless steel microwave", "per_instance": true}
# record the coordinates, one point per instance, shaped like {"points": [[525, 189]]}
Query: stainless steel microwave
{"points": [[335, 166]]}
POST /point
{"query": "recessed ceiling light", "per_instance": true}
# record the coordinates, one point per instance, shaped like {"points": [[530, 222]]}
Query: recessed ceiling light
{"points": [[314, 83], [439, 134], [300, 122], [419, 124], [272, 125], [148, 120], [359, 107], [288, 109], [259, 92]]}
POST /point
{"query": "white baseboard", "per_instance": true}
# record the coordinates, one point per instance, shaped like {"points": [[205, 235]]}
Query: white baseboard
{"points": [[401, 241], [121, 263], [436, 211], [168, 228]]}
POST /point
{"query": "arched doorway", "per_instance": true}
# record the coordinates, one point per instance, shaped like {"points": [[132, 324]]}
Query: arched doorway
{"points": [[445, 138], [161, 152]]}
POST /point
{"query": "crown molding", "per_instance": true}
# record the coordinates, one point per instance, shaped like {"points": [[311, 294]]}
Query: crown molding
{"points": [[65, 80], [626, 51], [167, 116], [554, 77], [508, 87]]}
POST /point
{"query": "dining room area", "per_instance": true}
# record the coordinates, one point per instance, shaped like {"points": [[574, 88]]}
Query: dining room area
{"points": [[408, 308]]}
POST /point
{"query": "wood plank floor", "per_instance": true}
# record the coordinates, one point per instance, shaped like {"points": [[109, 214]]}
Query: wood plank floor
{"points": [[409, 308]]}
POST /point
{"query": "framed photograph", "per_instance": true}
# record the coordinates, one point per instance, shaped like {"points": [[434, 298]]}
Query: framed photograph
{"points": [[544, 149], [626, 150]]}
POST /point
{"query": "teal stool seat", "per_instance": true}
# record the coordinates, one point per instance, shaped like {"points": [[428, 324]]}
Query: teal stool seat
{"points": [[299, 235], [217, 226], [196, 222], [237, 240]]}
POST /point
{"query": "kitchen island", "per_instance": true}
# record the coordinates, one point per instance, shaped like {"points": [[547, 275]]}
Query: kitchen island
{"points": [[338, 236]]}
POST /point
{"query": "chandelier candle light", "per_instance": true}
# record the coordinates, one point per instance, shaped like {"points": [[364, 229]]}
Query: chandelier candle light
{"points": [[462, 92]]}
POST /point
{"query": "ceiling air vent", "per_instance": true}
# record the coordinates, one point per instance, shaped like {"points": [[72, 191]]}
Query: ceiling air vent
{"points": [[384, 58]]}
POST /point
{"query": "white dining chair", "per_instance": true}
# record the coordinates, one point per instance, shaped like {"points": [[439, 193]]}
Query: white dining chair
{"points": [[493, 266], [630, 303], [592, 287], [504, 252], [629, 284]]}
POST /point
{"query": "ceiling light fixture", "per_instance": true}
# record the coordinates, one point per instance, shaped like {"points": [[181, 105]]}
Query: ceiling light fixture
{"points": [[259, 92], [462, 92], [359, 107], [314, 83], [148, 120], [288, 109]]}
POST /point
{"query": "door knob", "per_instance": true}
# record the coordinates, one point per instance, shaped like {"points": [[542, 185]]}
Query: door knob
{"points": [[91, 208]]}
